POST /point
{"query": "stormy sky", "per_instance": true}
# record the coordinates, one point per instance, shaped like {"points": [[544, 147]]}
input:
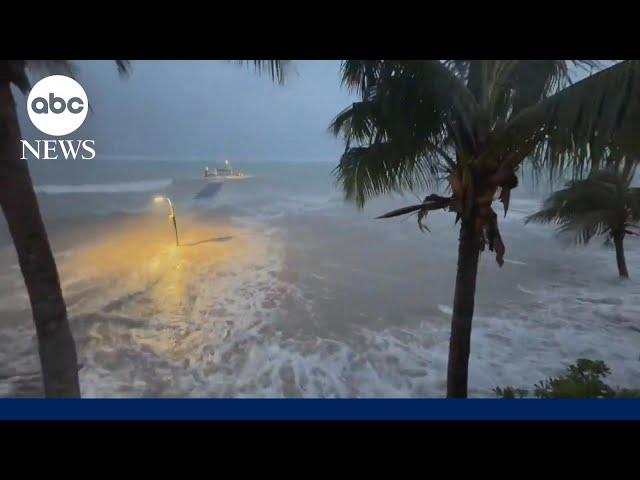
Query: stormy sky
{"points": [[201, 110]]}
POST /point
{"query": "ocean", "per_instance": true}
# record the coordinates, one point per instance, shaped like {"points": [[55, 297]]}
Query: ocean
{"points": [[281, 289]]}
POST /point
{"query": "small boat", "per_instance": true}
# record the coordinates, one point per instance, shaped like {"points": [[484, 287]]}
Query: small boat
{"points": [[226, 172]]}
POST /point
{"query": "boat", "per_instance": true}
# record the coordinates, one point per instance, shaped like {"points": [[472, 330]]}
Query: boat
{"points": [[227, 172]]}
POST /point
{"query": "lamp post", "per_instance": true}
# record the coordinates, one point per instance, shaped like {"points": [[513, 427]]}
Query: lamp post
{"points": [[172, 215]]}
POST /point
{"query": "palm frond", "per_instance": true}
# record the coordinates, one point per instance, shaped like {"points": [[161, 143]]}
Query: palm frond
{"points": [[355, 123], [548, 214], [359, 76], [380, 168], [124, 67], [405, 97], [599, 204], [582, 124], [276, 69], [581, 229], [17, 70], [398, 135], [52, 67], [505, 87], [522, 83]]}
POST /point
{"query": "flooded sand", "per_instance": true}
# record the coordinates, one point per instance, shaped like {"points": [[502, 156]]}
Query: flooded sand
{"points": [[281, 290]]}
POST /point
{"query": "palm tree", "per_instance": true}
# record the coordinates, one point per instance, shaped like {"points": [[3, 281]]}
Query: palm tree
{"points": [[472, 124], [56, 347], [602, 204]]}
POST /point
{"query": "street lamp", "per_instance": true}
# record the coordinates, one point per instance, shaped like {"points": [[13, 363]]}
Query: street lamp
{"points": [[172, 214]]}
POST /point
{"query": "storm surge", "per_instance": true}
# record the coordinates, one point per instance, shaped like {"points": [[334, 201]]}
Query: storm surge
{"points": [[121, 187], [280, 289]]}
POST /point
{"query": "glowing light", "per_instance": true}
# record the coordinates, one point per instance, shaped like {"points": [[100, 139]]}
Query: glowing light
{"points": [[141, 275], [158, 199]]}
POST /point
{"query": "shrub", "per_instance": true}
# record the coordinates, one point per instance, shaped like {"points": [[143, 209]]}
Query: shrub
{"points": [[584, 379]]}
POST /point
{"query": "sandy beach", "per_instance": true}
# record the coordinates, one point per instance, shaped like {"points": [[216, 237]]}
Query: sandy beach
{"points": [[281, 290]]}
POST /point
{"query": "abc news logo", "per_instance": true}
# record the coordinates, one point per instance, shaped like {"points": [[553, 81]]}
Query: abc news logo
{"points": [[58, 105]]}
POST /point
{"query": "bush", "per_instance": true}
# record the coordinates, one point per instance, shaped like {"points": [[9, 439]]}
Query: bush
{"points": [[585, 379]]}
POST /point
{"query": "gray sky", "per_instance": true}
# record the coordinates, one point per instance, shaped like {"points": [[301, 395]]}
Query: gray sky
{"points": [[208, 110]]}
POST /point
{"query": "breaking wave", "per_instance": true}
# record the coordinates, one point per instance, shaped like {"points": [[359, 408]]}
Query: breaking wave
{"points": [[123, 187]]}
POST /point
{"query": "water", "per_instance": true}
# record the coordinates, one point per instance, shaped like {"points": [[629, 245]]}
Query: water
{"points": [[282, 289]]}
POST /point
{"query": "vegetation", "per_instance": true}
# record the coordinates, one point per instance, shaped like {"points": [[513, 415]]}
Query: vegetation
{"points": [[19, 203], [471, 124], [56, 347], [603, 204], [584, 379]]}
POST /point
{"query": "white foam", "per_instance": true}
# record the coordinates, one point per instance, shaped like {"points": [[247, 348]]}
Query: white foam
{"points": [[515, 262], [525, 290], [249, 334], [123, 187]]}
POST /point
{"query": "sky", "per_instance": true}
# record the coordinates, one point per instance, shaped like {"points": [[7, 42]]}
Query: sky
{"points": [[208, 110]]}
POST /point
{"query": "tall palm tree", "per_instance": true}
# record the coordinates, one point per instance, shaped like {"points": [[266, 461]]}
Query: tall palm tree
{"points": [[472, 124], [56, 347], [602, 204]]}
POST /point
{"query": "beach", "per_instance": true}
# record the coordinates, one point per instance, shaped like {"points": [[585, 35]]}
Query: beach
{"points": [[281, 289]]}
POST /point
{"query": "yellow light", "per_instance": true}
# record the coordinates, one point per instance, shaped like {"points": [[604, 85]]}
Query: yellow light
{"points": [[136, 255], [158, 199]]}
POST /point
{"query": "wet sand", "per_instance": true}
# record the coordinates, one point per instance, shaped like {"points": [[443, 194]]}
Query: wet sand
{"points": [[327, 303]]}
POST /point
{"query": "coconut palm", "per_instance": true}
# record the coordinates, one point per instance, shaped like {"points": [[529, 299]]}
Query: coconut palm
{"points": [[471, 124], [56, 347], [18, 200], [602, 204]]}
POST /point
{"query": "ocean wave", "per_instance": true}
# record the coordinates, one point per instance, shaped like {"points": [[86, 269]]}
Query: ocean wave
{"points": [[515, 262], [122, 187]]}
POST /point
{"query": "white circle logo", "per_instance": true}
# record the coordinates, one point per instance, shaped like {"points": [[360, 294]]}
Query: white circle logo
{"points": [[57, 105]]}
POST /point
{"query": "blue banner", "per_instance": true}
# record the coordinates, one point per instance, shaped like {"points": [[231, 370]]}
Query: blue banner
{"points": [[319, 409]]}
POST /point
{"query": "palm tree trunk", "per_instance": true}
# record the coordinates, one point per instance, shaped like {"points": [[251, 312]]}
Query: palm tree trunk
{"points": [[20, 206], [618, 239], [463, 303]]}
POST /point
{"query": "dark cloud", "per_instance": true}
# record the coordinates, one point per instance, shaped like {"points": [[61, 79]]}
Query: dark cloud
{"points": [[208, 110]]}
